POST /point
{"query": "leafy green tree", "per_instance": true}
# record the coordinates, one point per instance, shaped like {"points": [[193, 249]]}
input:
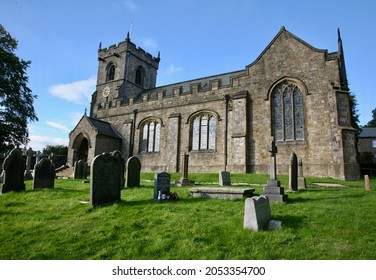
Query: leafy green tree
{"points": [[354, 112], [372, 123], [60, 150], [16, 99]]}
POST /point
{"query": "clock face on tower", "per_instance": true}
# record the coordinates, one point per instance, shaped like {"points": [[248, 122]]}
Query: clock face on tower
{"points": [[106, 91]]}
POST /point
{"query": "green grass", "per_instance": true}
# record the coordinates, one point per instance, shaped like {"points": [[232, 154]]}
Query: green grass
{"points": [[319, 223]]}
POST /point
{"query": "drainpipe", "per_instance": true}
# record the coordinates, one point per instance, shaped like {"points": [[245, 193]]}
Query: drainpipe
{"points": [[227, 98]]}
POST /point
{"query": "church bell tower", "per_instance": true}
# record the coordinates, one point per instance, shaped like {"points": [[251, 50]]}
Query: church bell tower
{"points": [[124, 71]]}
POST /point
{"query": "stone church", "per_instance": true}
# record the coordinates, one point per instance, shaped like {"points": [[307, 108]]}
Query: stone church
{"points": [[292, 91]]}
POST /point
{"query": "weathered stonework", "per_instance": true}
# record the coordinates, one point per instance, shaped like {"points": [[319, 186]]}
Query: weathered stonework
{"points": [[328, 147]]}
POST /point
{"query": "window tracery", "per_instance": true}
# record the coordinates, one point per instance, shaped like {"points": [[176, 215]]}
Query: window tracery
{"points": [[203, 132]]}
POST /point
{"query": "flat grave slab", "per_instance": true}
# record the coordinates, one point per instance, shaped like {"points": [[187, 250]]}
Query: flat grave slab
{"points": [[222, 193]]}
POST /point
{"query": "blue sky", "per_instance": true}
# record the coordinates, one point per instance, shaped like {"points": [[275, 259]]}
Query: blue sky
{"points": [[196, 38]]}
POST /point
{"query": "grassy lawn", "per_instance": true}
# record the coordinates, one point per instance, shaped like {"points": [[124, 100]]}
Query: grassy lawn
{"points": [[318, 223]]}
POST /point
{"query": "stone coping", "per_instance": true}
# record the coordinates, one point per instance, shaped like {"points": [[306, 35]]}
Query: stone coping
{"points": [[223, 193]]}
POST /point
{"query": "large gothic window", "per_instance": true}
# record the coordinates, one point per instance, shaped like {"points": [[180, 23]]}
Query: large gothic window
{"points": [[203, 132], [150, 138], [110, 72], [287, 107]]}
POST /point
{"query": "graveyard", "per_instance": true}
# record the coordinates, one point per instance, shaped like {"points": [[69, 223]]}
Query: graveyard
{"points": [[331, 219]]}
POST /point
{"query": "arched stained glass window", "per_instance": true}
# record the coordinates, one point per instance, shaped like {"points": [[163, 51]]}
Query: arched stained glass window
{"points": [[288, 120], [203, 132], [150, 138]]}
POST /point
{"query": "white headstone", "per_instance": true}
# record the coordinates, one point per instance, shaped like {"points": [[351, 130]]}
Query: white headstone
{"points": [[257, 213]]}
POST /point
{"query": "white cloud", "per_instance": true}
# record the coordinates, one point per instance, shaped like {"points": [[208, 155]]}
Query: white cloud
{"points": [[38, 142], [58, 126], [78, 92], [172, 69], [130, 5], [148, 43]]}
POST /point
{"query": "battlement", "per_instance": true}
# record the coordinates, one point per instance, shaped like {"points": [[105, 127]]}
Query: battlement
{"points": [[125, 46], [188, 91]]}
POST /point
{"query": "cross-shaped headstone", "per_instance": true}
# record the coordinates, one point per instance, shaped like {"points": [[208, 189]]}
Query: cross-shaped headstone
{"points": [[272, 149]]}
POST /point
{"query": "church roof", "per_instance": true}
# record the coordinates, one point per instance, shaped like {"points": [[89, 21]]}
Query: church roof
{"points": [[368, 132], [104, 128]]}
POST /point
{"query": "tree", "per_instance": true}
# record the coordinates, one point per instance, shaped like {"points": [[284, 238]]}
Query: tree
{"points": [[16, 99], [354, 112], [59, 150], [372, 123]]}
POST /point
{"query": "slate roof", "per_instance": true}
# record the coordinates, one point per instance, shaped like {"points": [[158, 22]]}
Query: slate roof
{"points": [[104, 128], [368, 132]]}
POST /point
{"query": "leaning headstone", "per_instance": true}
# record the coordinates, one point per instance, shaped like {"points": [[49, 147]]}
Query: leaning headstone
{"points": [[27, 174], [366, 183], [80, 169], [120, 158], [293, 173], [224, 178], [162, 184], [301, 180], [257, 213], [133, 172], [104, 180], [44, 174], [13, 168], [273, 189]]}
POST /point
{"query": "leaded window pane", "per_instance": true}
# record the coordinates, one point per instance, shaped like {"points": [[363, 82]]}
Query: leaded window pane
{"points": [[298, 111], [212, 133], [195, 133], [157, 137], [204, 133], [278, 124], [144, 143], [151, 137], [287, 106]]}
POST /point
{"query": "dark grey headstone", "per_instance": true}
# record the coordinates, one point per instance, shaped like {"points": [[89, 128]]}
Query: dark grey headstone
{"points": [[104, 180], [117, 154], [44, 174], [80, 169], [293, 173], [14, 168], [224, 178], [133, 172], [162, 184]]}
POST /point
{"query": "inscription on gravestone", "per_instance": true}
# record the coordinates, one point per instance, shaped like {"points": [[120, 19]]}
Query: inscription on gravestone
{"points": [[13, 168], [104, 180], [162, 184], [44, 174]]}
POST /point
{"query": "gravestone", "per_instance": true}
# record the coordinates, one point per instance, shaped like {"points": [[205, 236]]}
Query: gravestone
{"points": [[13, 170], [27, 174], [184, 181], [224, 178], [80, 169], [293, 173], [44, 174], [104, 180], [162, 185], [301, 180], [257, 213], [273, 189], [133, 172], [117, 154], [366, 183]]}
